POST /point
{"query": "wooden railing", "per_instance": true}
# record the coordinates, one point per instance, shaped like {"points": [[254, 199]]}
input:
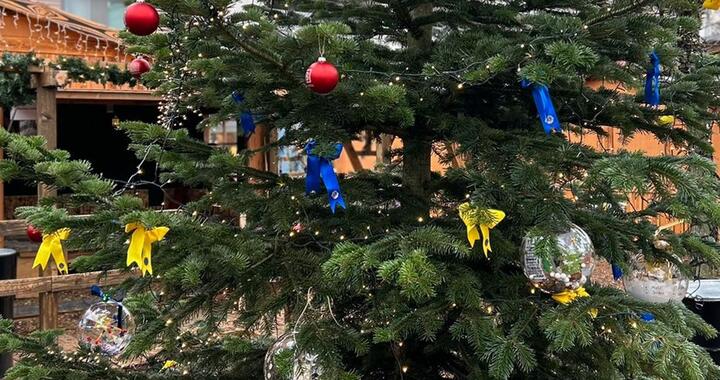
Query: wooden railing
{"points": [[49, 287]]}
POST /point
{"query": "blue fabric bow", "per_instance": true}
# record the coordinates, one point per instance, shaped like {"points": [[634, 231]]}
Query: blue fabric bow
{"points": [[96, 290], [544, 105], [652, 82], [617, 272], [246, 118], [321, 168], [647, 317]]}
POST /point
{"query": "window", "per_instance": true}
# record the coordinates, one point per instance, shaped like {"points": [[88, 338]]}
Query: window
{"points": [[106, 12], [291, 160], [224, 135]]}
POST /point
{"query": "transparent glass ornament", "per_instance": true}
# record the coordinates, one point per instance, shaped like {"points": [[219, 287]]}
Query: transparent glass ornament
{"points": [[107, 327], [656, 281], [284, 362], [561, 262]]}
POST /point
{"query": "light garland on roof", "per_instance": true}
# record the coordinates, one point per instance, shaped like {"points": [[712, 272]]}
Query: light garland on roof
{"points": [[43, 29]]}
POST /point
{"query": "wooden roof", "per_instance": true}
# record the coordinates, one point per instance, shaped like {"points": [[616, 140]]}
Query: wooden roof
{"points": [[42, 13], [30, 26]]}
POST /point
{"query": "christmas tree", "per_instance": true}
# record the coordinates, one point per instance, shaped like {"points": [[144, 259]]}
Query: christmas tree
{"points": [[373, 276]]}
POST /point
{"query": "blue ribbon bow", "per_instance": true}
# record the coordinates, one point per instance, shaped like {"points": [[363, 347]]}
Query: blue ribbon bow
{"points": [[246, 118], [617, 272], [321, 168], [647, 317], [96, 290], [544, 105], [652, 81]]}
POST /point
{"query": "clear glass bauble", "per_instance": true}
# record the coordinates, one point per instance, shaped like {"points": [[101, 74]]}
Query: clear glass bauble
{"points": [[107, 328], [560, 262], [284, 362], [656, 281]]}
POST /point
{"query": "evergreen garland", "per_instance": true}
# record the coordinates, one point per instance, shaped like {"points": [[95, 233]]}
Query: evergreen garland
{"points": [[15, 75]]}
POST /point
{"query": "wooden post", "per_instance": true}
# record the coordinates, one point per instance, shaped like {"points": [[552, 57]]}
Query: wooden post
{"points": [[384, 146], [2, 184], [256, 141], [46, 86]]}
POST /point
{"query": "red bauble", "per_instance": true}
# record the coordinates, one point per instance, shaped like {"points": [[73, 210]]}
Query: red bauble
{"points": [[141, 19], [34, 234], [138, 67], [322, 76]]}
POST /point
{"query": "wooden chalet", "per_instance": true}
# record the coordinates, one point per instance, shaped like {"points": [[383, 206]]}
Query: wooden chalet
{"points": [[78, 117]]}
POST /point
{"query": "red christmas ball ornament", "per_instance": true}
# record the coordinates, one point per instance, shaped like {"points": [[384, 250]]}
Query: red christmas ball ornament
{"points": [[34, 234], [322, 76], [141, 18], [138, 67]]}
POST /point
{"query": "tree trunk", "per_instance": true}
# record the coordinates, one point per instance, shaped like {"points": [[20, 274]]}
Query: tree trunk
{"points": [[416, 176], [417, 147]]}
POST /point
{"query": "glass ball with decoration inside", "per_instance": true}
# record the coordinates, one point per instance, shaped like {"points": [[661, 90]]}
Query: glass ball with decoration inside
{"points": [[560, 261], [284, 362], [107, 327], [655, 280]]}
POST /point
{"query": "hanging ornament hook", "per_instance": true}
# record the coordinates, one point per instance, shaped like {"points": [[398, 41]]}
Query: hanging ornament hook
{"points": [[308, 300]]}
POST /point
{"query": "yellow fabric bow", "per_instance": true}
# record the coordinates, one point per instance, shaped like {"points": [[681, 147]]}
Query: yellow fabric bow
{"points": [[140, 250], [667, 119], [473, 217], [711, 4], [169, 364], [52, 245], [593, 312], [568, 296]]}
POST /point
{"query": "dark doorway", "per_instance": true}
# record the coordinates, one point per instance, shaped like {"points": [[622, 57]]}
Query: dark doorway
{"points": [[87, 132]]}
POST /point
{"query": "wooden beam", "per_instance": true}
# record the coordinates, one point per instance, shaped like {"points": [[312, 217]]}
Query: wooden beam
{"points": [[13, 227], [353, 156], [26, 285], [86, 280], [99, 96], [18, 227], [453, 156], [54, 284], [382, 151], [46, 88]]}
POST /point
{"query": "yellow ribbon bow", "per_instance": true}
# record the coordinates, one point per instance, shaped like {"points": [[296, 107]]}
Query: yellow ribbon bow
{"points": [[593, 311], [473, 217], [52, 245], [140, 250], [667, 119], [568, 296], [711, 4], [169, 364]]}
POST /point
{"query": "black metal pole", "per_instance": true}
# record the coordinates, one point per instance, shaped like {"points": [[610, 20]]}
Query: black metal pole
{"points": [[8, 268]]}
